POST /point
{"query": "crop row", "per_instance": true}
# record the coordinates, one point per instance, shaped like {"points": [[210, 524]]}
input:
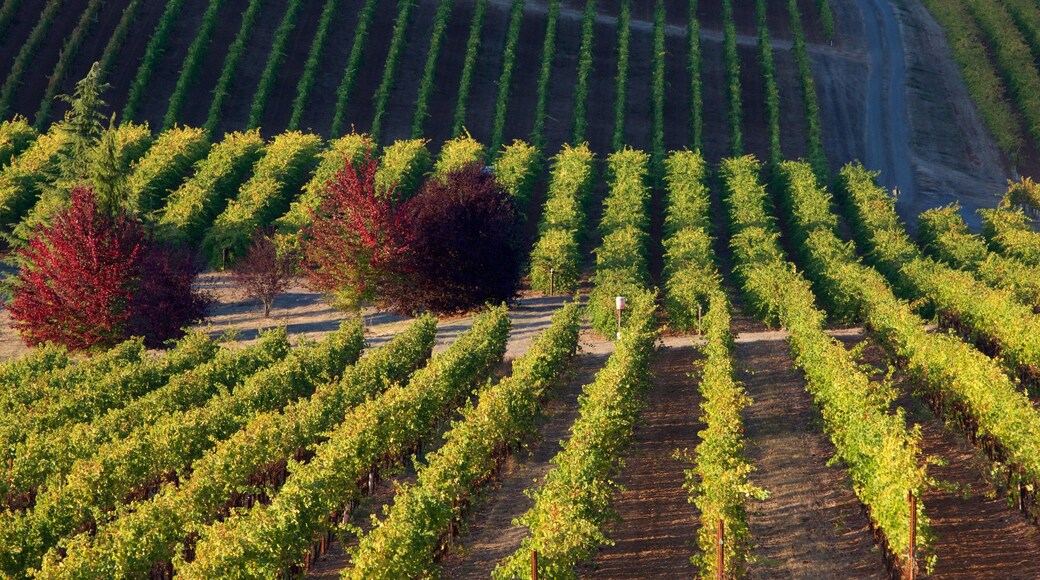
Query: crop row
{"points": [[273, 538], [585, 58], [545, 74], [517, 169], [657, 87], [353, 67], [170, 445], [945, 235], [426, 85], [621, 81], [403, 166], [65, 57], [881, 455], [718, 481], [277, 176], [191, 208], [1009, 233], [21, 180], [572, 503], [19, 377], [457, 154], [809, 98], [46, 455], [115, 42], [229, 468], [980, 75], [469, 65], [197, 54], [693, 41], [164, 166], [275, 57], [772, 89], [731, 60], [405, 543], [25, 55], [505, 80], [152, 53], [312, 65], [229, 70], [393, 58], [621, 259], [556, 258]]}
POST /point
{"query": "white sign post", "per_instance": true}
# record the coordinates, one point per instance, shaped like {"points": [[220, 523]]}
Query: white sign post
{"points": [[619, 305]]}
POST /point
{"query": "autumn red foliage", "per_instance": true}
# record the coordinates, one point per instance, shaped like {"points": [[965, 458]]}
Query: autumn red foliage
{"points": [[262, 273], [463, 246], [91, 279], [355, 245]]}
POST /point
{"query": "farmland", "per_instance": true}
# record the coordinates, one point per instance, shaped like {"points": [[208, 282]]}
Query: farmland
{"points": [[760, 304]]}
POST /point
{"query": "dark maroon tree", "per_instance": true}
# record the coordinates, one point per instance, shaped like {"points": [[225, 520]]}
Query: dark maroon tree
{"points": [[463, 246], [357, 240], [262, 273], [91, 278]]}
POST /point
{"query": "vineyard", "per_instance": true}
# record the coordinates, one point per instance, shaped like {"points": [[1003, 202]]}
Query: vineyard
{"points": [[726, 347]]}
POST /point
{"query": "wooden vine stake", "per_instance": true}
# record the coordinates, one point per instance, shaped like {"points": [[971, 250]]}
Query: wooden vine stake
{"points": [[534, 564], [913, 535], [720, 559]]}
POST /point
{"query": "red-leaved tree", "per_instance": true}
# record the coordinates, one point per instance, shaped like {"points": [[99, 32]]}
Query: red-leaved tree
{"points": [[262, 273], [463, 246], [356, 242], [91, 278]]}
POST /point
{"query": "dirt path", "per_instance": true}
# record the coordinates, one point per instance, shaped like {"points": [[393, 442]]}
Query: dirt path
{"points": [[658, 525], [492, 536], [812, 525]]}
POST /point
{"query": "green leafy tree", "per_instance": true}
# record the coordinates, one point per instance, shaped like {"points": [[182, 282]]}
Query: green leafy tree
{"points": [[83, 127]]}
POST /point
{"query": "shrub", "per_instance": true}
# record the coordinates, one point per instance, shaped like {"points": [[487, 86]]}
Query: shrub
{"points": [[355, 240], [90, 279], [463, 247], [262, 273]]}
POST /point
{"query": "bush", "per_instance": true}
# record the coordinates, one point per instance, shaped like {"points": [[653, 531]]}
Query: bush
{"points": [[262, 273], [354, 242], [463, 248], [126, 286]]}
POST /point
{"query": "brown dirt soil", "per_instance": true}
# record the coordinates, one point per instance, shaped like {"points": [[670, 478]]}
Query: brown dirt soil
{"points": [[655, 534], [812, 525], [677, 104], [491, 534]]}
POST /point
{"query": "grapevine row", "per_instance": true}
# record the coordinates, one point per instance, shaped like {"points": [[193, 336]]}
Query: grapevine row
{"points": [[693, 40], [572, 504], [121, 468], [690, 275], [457, 154], [230, 68], [350, 72], [44, 455], [882, 457], [516, 170], [275, 537], [21, 180], [545, 74], [165, 166], [621, 81], [405, 543], [197, 53], [426, 85], [312, 65], [505, 80], [469, 65], [1009, 233], [403, 166], [581, 87], [556, 257], [16, 135], [275, 57], [657, 87], [191, 208], [267, 439], [772, 90], [621, 259], [809, 98], [115, 42]]}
